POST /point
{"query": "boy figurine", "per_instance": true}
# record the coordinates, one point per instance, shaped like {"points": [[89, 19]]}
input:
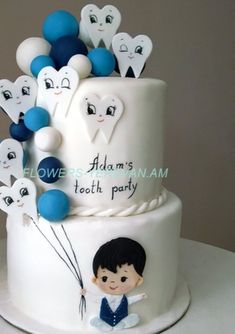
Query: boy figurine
{"points": [[118, 267]]}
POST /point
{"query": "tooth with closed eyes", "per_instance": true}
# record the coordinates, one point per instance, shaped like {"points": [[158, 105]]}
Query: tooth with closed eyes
{"points": [[20, 199], [101, 114], [58, 88], [11, 160], [99, 25], [131, 52], [17, 97]]}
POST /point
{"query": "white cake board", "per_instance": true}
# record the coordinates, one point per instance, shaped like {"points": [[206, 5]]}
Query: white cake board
{"points": [[18, 319]]}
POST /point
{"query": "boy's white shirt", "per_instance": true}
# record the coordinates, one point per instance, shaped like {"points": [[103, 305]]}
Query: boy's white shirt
{"points": [[115, 300]]}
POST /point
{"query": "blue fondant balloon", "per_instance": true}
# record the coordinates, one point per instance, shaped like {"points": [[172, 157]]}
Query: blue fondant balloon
{"points": [[19, 131], [65, 48], [53, 205], [58, 24], [36, 118], [50, 169], [39, 63], [103, 62]]}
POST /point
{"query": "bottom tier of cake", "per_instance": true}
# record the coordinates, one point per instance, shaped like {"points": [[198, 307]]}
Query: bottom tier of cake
{"points": [[71, 277]]}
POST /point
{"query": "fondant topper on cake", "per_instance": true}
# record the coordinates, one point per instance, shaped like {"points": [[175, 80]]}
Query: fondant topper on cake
{"points": [[58, 88], [11, 160], [101, 114], [96, 30], [118, 269], [20, 199], [98, 26], [17, 97], [131, 52]]}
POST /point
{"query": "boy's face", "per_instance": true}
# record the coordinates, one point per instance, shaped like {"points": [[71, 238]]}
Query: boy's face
{"points": [[119, 283]]}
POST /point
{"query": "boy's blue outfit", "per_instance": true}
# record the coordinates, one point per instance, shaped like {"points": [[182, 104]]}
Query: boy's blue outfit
{"points": [[113, 317]]}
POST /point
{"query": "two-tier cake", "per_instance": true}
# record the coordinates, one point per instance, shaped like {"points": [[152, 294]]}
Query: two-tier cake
{"points": [[92, 235]]}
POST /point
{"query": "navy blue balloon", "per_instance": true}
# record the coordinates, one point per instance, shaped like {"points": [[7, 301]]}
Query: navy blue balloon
{"points": [[49, 169], [66, 47], [36, 118], [39, 63], [103, 62], [58, 24], [53, 205], [19, 131]]}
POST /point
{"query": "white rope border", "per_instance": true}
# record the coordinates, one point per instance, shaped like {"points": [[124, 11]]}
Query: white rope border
{"points": [[135, 209]]}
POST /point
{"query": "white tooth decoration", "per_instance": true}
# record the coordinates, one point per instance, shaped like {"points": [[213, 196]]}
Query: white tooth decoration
{"points": [[131, 52], [11, 160], [101, 114], [58, 88], [17, 97], [20, 199], [99, 24]]}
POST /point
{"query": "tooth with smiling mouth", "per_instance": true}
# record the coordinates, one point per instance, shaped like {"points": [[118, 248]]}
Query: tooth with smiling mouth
{"points": [[101, 114], [17, 97], [131, 52], [20, 199], [11, 160], [57, 88], [99, 25]]}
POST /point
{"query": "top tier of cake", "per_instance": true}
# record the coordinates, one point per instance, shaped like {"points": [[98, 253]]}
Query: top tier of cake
{"points": [[112, 146]]}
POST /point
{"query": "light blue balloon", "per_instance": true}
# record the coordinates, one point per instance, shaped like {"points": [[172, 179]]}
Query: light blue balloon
{"points": [[36, 118], [103, 62], [53, 205], [59, 24], [39, 63]]}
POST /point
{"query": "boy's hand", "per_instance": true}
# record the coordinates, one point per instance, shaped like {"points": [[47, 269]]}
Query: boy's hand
{"points": [[144, 295], [83, 292]]}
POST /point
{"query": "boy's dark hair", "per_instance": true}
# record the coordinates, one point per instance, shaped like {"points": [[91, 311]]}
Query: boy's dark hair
{"points": [[118, 252]]}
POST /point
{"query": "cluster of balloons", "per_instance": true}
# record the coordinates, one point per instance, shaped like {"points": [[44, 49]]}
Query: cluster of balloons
{"points": [[53, 204], [48, 139], [60, 46]]}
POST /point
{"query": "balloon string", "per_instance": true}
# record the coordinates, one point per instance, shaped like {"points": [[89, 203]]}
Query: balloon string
{"points": [[78, 276], [67, 265], [74, 255], [67, 255], [82, 305]]}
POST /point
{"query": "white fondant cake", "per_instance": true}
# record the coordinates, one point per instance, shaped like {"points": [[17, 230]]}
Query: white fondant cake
{"points": [[109, 178], [41, 286], [97, 249]]}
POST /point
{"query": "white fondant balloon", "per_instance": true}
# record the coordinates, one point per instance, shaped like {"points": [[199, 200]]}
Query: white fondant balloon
{"points": [[29, 49], [99, 25], [101, 114], [19, 96], [58, 88], [20, 199], [47, 139], [81, 64], [11, 160], [131, 52]]}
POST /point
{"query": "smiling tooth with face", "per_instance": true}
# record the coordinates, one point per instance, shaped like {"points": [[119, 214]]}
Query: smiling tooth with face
{"points": [[101, 114], [20, 199], [99, 25], [11, 160], [58, 88], [131, 52], [17, 97]]}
